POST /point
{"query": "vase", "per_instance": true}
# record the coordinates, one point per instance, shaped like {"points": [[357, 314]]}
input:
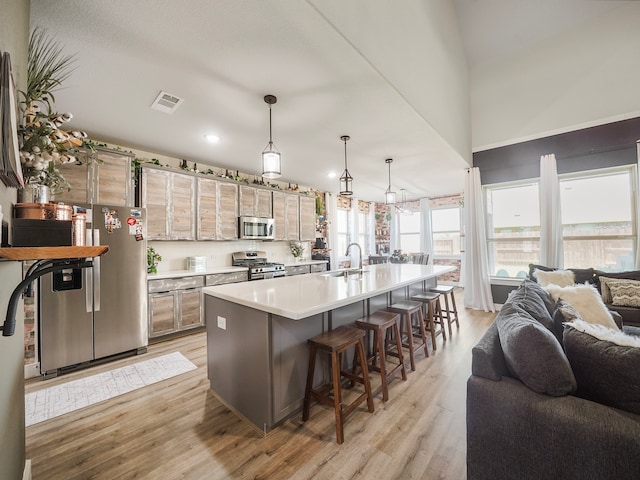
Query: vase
{"points": [[35, 193]]}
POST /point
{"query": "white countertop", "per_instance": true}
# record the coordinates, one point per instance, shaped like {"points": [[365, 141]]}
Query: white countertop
{"points": [[191, 273], [298, 297]]}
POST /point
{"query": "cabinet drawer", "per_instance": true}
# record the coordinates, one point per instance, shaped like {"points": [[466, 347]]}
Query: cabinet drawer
{"points": [[319, 267], [297, 270], [182, 283], [222, 278]]}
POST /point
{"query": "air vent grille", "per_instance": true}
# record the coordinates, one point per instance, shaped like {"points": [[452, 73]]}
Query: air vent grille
{"points": [[166, 102]]}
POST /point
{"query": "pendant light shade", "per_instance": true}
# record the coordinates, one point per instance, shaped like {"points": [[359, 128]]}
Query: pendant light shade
{"points": [[346, 180], [271, 156], [389, 195]]}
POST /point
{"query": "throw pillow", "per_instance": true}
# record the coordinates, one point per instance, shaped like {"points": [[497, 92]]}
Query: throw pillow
{"points": [[625, 293], [562, 278], [604, 288], [533, 354], [586, 299], [605, 372], [564, 312], [534, 300]]}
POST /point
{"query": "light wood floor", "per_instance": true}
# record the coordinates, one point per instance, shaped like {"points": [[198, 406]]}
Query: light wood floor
{"points": [[177, 429]]}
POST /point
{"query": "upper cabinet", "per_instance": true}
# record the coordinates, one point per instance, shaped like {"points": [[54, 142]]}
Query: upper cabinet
{"points": [[254, 202], [286, 216], [104, 177], [307, 218], [170, 200], [217, 210]]}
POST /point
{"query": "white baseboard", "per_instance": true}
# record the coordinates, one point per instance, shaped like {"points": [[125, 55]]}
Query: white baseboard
{"points": [[26, 475], [32, 370]]}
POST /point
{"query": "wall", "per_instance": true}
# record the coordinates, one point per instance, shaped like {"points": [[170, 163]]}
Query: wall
{"points": [[586, 76], [14, 38]]}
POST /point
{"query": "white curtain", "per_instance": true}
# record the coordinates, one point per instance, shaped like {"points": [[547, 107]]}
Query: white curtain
{"points": [[638, 207], [426, 232], [551, 253], [332, 219], [355, 234], [477, 283], [394, 230], [371, 222]]}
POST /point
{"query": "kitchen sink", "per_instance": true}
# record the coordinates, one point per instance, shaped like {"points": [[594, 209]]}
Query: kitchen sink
{"points": [[345, 273]]}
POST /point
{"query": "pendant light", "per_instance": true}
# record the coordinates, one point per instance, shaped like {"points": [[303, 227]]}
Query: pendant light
{"points": [[389, 195], [346, 179], [270, 156]]}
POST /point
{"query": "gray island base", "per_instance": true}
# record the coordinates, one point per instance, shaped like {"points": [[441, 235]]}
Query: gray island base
{"points": [[257, 353]]}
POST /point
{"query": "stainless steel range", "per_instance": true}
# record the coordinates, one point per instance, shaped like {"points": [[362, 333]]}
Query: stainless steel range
{"points": [[257, 263]]}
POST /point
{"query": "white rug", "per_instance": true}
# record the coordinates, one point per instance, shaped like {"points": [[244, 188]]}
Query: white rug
{"points": [[67, 397]]}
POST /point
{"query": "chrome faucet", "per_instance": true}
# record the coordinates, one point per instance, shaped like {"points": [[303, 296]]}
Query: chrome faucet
{"points": [[359, 251]]}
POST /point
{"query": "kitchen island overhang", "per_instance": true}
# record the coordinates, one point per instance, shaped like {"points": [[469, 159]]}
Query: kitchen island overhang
{"points": [[257, 332]]}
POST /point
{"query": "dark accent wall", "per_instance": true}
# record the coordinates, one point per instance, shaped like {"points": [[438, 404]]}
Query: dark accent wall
{"points": [[609, 145]]}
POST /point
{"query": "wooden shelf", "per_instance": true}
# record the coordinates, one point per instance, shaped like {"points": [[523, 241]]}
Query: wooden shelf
{"points": [[51, 253]]}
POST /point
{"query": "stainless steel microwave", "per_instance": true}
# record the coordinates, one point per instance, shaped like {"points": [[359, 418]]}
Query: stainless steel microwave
{"points": [[257, 228]]}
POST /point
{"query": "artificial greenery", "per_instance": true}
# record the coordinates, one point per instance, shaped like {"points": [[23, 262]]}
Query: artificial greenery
{"points": [[296, 249], [44, 145]]}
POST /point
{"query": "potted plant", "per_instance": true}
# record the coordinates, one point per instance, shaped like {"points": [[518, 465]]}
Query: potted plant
{"points": [[153, 258], [44, 145], [296, 250]]}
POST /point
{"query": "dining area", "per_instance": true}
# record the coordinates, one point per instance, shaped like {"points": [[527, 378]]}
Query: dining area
{"points": [[398, 256]]}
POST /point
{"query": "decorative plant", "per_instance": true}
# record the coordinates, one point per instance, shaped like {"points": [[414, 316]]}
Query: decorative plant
{"points": [[296, 249], [153, 258], [44, 145]]}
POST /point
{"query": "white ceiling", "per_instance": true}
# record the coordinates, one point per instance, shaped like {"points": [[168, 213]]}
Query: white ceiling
{"points": [[223, 56]]}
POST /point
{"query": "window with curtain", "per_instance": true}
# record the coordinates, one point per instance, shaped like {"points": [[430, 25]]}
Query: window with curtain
{"points": [[343, 229], [598, 215], [445, 226], [513, 227], [409, 229]]}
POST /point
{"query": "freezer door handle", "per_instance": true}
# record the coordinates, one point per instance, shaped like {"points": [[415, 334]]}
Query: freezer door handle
{"points": [[96, 274]]}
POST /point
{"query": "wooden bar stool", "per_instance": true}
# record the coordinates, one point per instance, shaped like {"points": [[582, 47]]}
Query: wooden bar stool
{"points": [[450, 310], [408, 310], [383, 325], [434, 314], [335, 343]]}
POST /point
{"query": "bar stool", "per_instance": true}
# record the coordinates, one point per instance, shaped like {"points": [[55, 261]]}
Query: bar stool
{"points": [[383, 325], [335, 343], [450, 311], [434, 314], [408, 310]]}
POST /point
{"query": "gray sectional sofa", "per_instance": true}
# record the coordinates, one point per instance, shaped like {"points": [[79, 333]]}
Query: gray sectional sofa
{"points": [[549, 401]]}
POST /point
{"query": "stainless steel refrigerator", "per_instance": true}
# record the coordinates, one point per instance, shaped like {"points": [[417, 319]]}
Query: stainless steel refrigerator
{"points": [[93, 313]]}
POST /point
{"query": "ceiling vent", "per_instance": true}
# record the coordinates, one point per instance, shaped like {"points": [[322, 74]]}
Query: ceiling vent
{"points": [[166, 102]]}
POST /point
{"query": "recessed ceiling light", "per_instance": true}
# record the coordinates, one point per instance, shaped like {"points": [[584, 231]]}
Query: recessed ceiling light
{"points": [[332, 175], [211, 138]]}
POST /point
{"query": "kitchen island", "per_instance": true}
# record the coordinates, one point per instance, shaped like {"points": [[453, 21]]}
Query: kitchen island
{"points": [[257, 331]]}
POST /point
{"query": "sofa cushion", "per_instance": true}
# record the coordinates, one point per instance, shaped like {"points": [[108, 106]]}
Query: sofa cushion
{"points": [[487, 359], [606, 372], [564, 312], [562, 278], [586, 299], [629, 275], [533, 354]]}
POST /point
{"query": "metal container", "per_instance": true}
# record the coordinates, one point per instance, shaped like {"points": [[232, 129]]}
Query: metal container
{"points": [[79, 224], [43, 211]]}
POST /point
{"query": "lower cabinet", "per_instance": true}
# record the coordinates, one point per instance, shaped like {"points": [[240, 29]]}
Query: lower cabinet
{"points": [[175, 304], [296, 270], [318, 267]]}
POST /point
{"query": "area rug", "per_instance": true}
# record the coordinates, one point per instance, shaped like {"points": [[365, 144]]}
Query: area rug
{"points": [[67, 397]]}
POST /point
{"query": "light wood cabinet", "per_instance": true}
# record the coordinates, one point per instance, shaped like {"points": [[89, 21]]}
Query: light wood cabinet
{"points": [[104, 177], [254, 202], [217, 210], [175, 304], [223, 278], [296, 270], [286, 216], [170, 200], [307, 218]]}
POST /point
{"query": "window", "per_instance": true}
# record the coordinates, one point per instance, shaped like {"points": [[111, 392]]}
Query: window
{"points": [[364, 233], [409, 226], [513, 228], [445, 225], [598, 219], [343, 230]]}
